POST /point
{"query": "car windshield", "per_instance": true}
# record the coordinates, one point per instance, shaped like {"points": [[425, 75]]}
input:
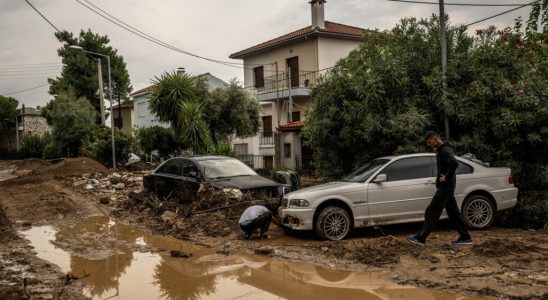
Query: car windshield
{"points": [[217, 168], [364, 172]]}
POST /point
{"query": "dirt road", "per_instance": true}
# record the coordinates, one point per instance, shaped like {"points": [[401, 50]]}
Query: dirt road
{"points": [[503, 263]]}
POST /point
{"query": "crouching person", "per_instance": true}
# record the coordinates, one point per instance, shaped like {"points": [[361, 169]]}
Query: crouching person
{"points": [[255, 217]]}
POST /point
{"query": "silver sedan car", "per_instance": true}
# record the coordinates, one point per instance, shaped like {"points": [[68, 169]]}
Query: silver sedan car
{"points": [[396, 189]]}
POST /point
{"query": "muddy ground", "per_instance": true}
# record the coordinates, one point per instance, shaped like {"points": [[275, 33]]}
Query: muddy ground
{"points": [[503, 263]]}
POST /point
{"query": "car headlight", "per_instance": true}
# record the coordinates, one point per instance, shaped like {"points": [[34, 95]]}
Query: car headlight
{"points": [[298, 203], [233, 193]]}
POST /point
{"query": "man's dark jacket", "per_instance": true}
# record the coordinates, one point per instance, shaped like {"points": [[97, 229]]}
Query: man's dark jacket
{"points": [[447, 165]]}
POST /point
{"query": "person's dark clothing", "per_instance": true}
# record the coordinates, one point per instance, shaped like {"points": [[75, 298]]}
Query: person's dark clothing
{"points": [[444, 197], [261, 222], [447, 165]]}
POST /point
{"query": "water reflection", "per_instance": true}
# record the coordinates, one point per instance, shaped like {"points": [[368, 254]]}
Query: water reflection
{"points": [[119, 271]]}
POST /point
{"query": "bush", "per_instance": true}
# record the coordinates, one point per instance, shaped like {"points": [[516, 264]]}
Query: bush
{"points": [[157, 138], [222, 149], [530, 212], [99, 146], [33, 145]]}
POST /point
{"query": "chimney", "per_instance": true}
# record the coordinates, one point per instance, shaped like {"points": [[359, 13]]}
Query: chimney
{"points": [[318, 17], [181, 71]]}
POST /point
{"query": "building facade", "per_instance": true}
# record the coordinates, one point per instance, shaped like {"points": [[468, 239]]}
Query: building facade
{"points": [[280, 73]]}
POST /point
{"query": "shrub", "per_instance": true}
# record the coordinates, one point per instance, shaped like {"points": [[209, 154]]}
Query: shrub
{"points": [[222, 149], [530, 212], [157, 138], [33, 145], [99, 146]]}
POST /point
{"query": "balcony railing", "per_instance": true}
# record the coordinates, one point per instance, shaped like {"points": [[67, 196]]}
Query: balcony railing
{"points": [[304, 79], [266, 139]]}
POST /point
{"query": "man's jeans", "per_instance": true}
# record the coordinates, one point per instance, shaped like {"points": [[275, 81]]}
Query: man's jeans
{"points": [[262, 222], [444, 198]]}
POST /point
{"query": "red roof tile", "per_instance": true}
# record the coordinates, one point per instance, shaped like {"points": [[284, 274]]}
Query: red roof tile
{"points": [[291, 126], [331, 29]]}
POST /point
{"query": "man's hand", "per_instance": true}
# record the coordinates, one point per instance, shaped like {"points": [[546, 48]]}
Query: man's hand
{"points": [[442, 178]]}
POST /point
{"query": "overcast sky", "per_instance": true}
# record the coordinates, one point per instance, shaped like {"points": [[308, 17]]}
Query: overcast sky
{"points": [[211, 28]]}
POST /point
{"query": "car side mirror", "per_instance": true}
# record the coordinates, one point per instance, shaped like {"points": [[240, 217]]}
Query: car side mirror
{"points": [[380, 178]]}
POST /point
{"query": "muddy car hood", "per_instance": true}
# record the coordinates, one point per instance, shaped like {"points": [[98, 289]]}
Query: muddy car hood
{"points": [[244, 182]]}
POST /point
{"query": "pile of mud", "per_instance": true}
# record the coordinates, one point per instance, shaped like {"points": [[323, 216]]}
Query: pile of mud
{"points": [[212, 213]]}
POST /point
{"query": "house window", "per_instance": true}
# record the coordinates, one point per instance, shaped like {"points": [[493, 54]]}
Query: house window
{"points": [[240, 149], [258, 74], [296, 116], [293, 64], [141, 107], [287, 150]]}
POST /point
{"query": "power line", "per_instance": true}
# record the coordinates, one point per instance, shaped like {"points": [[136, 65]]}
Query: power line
{"points": [[24, 65], [456, 4], [42, 16], [502, 13], [150, 38], [8, 71], [26, 90]]}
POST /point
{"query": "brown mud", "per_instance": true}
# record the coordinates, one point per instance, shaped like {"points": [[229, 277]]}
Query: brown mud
{"points": [[503, 263]]}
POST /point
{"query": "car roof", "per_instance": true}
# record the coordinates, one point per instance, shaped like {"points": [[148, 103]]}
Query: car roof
{"points": [[205, 157], [407, 155]]}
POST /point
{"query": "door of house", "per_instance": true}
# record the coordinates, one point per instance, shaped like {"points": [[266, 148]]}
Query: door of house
{"points": [[267, 125], [268, 162], [293, 64]]}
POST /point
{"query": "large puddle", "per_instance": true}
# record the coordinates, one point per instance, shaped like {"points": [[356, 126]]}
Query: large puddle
{"points": [[123, 262]]}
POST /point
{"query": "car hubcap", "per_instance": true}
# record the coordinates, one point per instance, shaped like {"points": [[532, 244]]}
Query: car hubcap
{"points": [[336, 226], [479, 213]]}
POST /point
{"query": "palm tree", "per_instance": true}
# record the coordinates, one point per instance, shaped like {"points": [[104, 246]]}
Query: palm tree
{"points": [[173, 100]]}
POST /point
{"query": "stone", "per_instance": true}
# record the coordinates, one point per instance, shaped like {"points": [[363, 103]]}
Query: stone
{"points": [[86, 175], [104, 200], [168, 216], [80, 182], [119, 186], [89, 187], [115, 178], [95, 181], [139, 178]]}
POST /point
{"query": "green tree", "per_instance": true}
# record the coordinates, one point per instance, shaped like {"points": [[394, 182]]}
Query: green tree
{"points": [[157, 138], [230, 112], [79, 73], [8, 112]]}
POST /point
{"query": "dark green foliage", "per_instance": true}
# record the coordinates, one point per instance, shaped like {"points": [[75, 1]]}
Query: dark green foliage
{"points": [[530, 212], [99, 145], [33, 145], [230, 111], [386, 94], [79, 74], [222, 149], [8, 112], [168, 94], [157, 138]]}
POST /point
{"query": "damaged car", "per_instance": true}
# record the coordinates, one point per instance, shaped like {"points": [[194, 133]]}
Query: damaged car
{"points": [[397, 189], [184, 176]]}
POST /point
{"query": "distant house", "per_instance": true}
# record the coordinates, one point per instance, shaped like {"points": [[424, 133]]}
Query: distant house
{"points": [[123, 117], [299, 58], [29, 121], [143, 117]]}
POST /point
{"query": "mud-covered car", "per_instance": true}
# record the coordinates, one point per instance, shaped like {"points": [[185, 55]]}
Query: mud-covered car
{"points": [[397, 189], [185, 175]]}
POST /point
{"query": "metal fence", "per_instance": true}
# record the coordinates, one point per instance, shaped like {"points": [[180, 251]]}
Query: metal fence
{"points": [[305, 80]]}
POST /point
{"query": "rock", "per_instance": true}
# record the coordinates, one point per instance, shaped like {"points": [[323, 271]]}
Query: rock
{"points": [[80, 182], [86, 175], [104, 200], [115, 178], [324, 249], [139, 178], [264, 251], [119, 186], [168, 216], [178, 253], [95, 181], [89, 187]]}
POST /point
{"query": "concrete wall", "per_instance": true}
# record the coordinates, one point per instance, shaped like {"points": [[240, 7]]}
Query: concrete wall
{"points": [[127, 117], [332, 50], [142, 116]]}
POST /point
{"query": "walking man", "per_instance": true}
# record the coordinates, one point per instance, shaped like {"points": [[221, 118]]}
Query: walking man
{"points": [[255, 217], [445, 194]]}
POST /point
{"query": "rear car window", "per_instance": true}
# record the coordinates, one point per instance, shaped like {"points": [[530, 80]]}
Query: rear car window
{"points": [[409, 168]]}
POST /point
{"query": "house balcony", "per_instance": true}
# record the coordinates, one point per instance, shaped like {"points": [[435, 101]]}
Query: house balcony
{"points": [[266, 139], [274, 85]]}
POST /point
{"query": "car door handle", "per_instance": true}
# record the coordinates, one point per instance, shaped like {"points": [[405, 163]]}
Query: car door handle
{"points": [[430, 181]]}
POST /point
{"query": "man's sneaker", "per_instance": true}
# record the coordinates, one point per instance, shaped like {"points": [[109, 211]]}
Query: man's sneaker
{"points": [[462, 242], [415, 240]]}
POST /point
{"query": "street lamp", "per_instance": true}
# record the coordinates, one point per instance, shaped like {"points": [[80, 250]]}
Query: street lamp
{"points": [[110, 97]]}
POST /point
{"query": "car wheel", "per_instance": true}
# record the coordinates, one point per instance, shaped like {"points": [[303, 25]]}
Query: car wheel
{"points": [[478, 212], [333, 223]]}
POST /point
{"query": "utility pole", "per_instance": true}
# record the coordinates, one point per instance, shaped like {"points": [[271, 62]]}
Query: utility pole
{"points": [[277, 140], [16, 133], [112, 115], [101, 96], [443, 43]]}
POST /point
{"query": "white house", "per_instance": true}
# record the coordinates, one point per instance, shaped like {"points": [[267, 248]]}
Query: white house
{"points": [[280, 73]]}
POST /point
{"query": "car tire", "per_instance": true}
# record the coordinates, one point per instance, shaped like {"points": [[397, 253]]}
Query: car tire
{"points": [[333, 223], [478, 212]]}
